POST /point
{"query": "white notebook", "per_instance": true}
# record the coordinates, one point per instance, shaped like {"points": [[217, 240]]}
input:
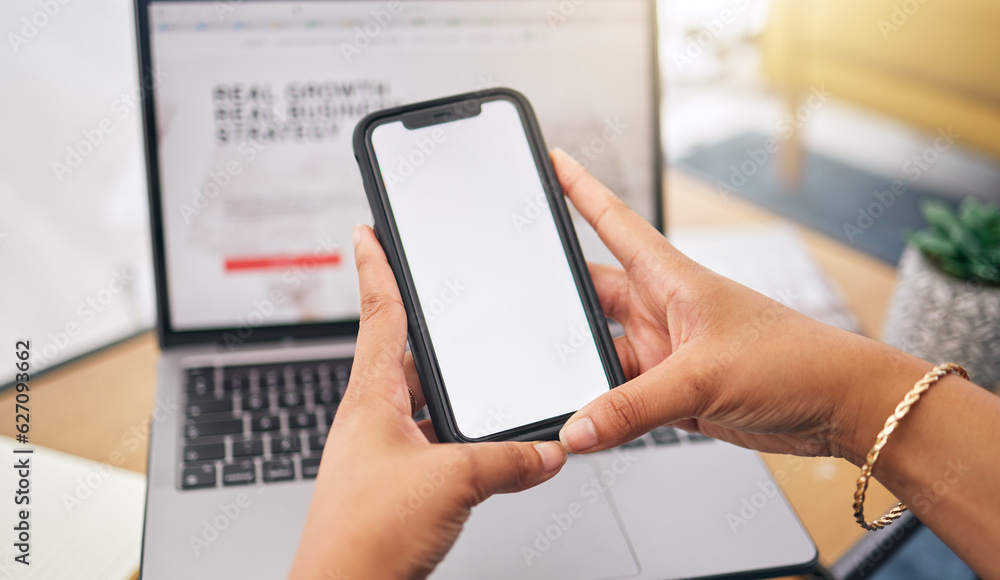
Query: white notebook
{"points": [[85, 519]]}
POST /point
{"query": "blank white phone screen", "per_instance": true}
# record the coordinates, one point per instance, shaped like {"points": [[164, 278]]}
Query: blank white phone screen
{"points": [[503, 312]]}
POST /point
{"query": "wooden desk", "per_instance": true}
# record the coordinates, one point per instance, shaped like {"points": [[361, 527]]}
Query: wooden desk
{"points": [[95, 407], [101, 405]]}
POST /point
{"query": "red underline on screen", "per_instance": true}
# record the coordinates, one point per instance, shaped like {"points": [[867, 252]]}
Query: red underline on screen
{"points": [[279, 262]]}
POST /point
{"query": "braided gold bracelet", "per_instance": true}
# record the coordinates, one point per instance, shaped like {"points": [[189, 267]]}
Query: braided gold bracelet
{"points": [[891, 423]]}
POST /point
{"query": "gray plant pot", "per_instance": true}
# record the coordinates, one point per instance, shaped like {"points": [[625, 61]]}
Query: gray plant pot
{"points": [[941, 319]]}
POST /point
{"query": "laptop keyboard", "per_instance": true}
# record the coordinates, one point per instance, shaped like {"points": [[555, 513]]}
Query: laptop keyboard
{"points": [[665, 436], [268, 423], [259, 423]]}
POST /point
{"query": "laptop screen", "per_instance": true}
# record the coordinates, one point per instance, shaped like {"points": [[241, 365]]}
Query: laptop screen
{"points": [[255, 104]]}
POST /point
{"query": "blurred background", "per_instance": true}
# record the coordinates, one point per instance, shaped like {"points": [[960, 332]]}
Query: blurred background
{"points": [[856, 94], [74, 237], [813, 110]]}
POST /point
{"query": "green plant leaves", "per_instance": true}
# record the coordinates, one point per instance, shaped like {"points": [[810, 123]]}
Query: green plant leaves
{"points": [[934, 244], [966, 243]]}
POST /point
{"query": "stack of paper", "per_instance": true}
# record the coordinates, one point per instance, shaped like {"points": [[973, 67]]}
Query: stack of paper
{"points": [[85, 517]]}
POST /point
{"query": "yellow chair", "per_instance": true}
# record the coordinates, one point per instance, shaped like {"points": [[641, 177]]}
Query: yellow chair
{"points": [[932, 63]]}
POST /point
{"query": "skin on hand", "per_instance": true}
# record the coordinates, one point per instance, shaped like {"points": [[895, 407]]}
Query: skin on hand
{"points": [[388, 502], [706, 354], [700, 351]]}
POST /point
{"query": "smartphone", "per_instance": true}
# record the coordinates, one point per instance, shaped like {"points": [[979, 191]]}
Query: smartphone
{"points": [[504, 324]]}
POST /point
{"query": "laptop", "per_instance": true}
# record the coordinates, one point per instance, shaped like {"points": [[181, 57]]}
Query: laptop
{"points": [[248, 111]]}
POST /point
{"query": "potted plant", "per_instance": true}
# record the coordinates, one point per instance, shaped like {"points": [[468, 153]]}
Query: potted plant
{"points": [[946, 306]]}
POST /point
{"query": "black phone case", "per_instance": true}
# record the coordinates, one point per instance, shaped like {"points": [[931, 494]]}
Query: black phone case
{"points": [[445, 110]]}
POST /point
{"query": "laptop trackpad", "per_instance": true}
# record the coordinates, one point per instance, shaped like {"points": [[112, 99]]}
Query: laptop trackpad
{"points": [[565, 528]]}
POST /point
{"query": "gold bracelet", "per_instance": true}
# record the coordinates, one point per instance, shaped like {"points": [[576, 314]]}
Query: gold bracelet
{"points": [[891, 423]]}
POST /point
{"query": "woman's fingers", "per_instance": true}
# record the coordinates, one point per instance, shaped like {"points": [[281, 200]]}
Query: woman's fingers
{"points": [[662, 395], [378, 362], [611, 285], [626, 356], [512, 466], [622, 230], [427, 428], [613, 291], [413, 381]]}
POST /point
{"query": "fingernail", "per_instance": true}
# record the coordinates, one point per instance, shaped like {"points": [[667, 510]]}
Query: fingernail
{"points": [[569, 158], [552, 455], [357, 234], [579, 435]]}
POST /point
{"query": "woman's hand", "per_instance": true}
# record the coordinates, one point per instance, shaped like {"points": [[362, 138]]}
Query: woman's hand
{"points": [[709, 355], [388, 503]]}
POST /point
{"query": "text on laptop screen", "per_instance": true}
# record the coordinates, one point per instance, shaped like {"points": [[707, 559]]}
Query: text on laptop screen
{"points": [[256, 102]]}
